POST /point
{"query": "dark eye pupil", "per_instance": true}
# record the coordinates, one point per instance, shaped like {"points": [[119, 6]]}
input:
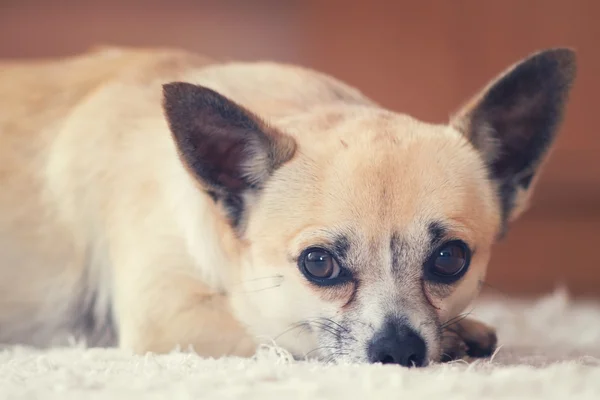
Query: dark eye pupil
{"points": [[450, 260], [319, 264]]}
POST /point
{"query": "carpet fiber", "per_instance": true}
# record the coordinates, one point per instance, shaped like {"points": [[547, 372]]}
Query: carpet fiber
{"points": [[549, 349]]}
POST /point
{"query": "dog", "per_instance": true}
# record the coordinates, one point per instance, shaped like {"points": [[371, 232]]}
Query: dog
{"points": [[156, 199]]}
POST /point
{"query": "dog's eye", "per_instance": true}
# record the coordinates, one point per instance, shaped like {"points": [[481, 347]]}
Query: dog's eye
{"points": [[319, 264], [449, 261]]}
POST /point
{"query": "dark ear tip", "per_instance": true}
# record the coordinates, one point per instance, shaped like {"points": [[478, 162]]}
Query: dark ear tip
{"points": [[173, 88], [170, 92], [189, 92], [564, 58]]}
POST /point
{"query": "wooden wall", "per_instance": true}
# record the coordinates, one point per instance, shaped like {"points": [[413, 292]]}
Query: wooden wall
{"points": [[420, 57]]}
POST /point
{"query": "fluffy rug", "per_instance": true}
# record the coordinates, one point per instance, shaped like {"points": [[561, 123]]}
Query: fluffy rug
{"points": [[549, 349]]}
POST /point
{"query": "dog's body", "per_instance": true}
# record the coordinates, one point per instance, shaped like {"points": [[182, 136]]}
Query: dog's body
{"points": [[151, 217]]}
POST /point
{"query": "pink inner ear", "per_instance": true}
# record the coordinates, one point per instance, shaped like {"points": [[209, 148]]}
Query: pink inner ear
{"points": [[226, 157]]}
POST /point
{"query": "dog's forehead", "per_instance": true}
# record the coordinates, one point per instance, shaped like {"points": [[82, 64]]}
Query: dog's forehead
{"points": [[397, 169], [378, 173]]}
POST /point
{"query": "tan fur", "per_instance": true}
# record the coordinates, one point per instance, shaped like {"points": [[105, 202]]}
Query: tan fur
{"points": [[99, 215]]}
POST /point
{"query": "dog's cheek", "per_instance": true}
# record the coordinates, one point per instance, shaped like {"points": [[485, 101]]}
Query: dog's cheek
{"points": [[450, 300], [276, 306]]}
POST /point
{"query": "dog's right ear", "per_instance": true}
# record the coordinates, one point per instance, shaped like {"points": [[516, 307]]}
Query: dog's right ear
{"points": [[513, 123], [226, 147]]}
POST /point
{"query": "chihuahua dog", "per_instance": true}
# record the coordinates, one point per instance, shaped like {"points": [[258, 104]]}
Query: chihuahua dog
{"points": [[154, 200]]}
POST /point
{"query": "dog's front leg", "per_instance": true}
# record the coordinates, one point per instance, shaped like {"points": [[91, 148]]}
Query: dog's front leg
{"points": [[160, 309]]}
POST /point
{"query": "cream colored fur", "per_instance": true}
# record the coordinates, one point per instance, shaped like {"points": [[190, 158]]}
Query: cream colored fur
{"points": [[104, 230]]}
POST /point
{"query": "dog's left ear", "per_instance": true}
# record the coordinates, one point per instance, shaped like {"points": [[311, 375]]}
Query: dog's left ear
{"points": [[513, 123], [230, 151]]}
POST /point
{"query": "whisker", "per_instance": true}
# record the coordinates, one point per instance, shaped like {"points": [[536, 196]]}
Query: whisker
{"points": [[320, 348], [455, 320], [315, 323], [301, 324], [340, 330], [278, 276], [262, 289], [451, 321], [324, 327], [327, 325], [256, 283], [338, 333], [329, 320]]}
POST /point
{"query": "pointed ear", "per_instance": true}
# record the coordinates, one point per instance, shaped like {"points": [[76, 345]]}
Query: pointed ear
{"points": [[226, 147], [514, 121]]}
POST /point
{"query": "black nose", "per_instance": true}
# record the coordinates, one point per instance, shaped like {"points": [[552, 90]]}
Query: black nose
{"points": [[397, 343]]}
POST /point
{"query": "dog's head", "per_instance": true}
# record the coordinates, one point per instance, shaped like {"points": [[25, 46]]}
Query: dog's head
{"points": [[366, 230]]}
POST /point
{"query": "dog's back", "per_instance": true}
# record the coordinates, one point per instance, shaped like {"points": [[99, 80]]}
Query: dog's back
{"points": [[46, 283]]}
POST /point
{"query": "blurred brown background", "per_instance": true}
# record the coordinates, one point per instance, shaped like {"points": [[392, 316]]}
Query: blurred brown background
{"points": [[419, 57]]}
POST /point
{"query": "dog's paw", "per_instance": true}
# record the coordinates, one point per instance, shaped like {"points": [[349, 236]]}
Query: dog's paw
{"points": [[468, 338], [453, 347]]}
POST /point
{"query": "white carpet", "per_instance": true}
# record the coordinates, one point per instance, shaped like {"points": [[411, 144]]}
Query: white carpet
{"points": [[550, 349]]}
